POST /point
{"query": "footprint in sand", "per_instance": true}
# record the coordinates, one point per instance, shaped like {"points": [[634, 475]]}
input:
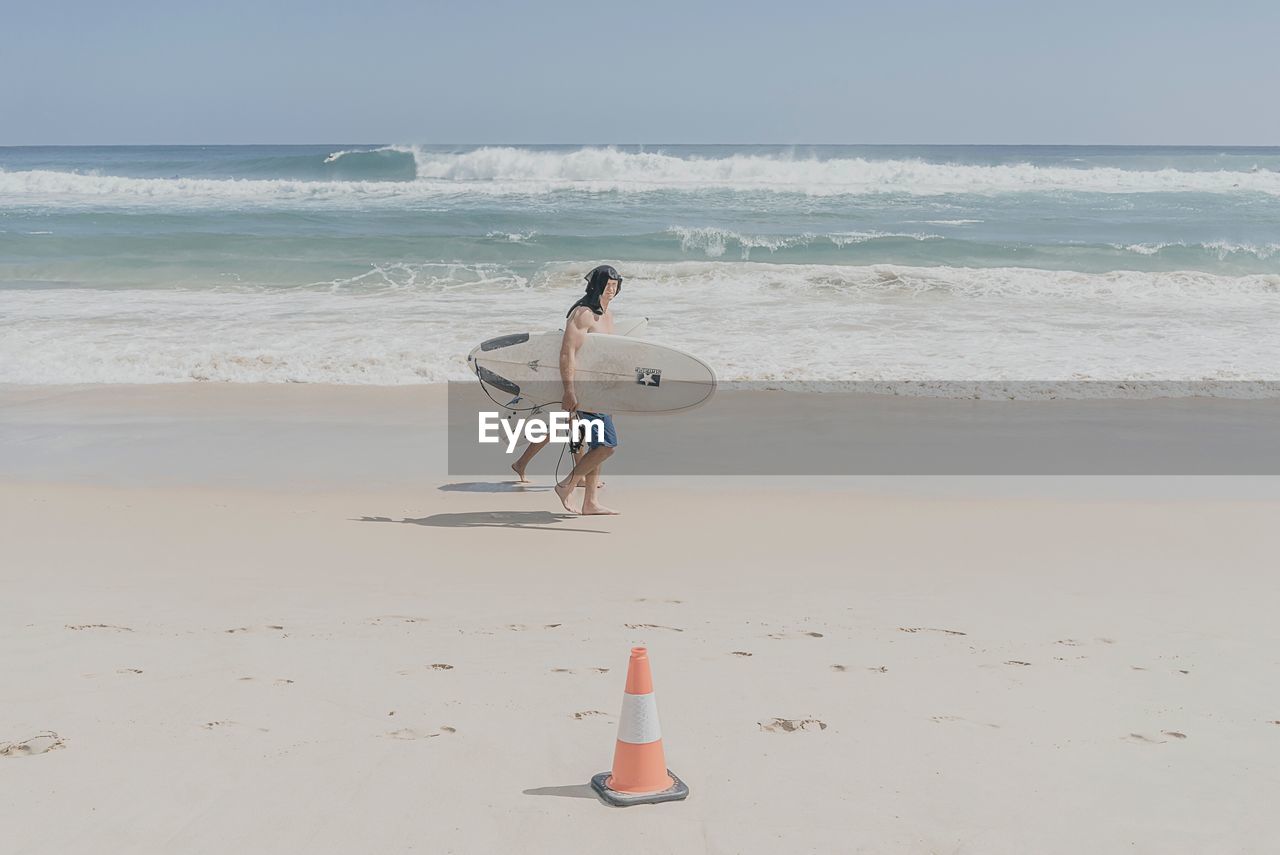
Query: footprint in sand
{"points": [[930, 629], [218, 725], [806, 634], [791, 725], [41, 743], [435, 666], [652, 626], [942, 719], [839, 668], [588, 714], [410, 734], [1016, 662], [128, 671], [395, 619], [1147, 740], [572, 671], [655, 600], [109, 626], [739, 653]]}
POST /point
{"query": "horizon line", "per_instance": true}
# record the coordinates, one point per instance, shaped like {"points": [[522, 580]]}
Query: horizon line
{"points": [[642, 144]]}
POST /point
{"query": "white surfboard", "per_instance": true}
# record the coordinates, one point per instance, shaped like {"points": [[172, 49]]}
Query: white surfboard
{"points": [[630, 326], [518, 408], [615, 374]]}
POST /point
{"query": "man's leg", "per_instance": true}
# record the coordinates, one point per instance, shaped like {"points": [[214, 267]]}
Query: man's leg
{"points": [[530, 450], [577, 458], [589, 503], [609, 440], [587, 466]]}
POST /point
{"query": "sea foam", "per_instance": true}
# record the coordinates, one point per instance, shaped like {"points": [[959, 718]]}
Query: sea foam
{"points": [[913, 330], [502, 171]]}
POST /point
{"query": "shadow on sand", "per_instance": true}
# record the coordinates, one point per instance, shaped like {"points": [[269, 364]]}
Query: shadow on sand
{"points": [[570, 791], [493, 487], [538, 520]]}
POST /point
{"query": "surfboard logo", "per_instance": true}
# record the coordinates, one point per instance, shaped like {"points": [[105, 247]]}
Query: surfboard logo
{"points": [[648, 377], [533, 364]]}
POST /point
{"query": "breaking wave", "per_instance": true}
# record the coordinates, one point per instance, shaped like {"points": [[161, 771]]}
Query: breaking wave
{"points": [[406, 173]]}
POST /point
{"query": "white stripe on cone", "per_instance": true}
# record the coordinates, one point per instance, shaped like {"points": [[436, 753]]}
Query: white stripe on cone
{"points": [[639, 721]]}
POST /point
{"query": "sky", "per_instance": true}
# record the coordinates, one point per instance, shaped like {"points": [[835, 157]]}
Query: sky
{"points": [[562, 71]]}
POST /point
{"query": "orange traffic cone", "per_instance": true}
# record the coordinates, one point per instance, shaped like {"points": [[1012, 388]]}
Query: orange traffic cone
{"points": [[640, 774]]}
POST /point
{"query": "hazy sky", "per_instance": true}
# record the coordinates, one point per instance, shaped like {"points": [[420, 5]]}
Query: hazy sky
{"points": [[647, 71]]}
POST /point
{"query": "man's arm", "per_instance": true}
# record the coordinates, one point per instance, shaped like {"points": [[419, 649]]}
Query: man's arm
{"points": [[575, 333]]}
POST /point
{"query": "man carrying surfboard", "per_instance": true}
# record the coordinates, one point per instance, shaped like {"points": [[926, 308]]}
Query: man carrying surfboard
{"points": [[632, 326], [590, 314]]}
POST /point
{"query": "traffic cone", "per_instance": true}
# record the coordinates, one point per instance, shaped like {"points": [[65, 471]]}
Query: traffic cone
{"points": [[640, 775]]}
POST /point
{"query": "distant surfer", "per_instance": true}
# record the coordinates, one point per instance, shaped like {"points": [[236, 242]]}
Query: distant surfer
{"points": [[590, 314]]}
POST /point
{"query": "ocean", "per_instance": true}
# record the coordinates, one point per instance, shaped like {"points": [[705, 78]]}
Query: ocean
{"points": [[901, 265]]}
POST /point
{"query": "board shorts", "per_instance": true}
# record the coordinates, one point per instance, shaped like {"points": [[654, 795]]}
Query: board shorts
{"points": [[610, 433]]}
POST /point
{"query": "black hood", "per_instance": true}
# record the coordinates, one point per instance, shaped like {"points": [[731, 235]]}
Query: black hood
{"points": [[597, 279]]}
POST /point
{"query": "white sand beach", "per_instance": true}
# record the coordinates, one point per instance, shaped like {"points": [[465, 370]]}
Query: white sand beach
{"points": [[327, 644], [938, 341]]}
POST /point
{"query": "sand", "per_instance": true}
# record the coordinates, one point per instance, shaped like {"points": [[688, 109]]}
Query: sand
{"points": [[328, 645]]}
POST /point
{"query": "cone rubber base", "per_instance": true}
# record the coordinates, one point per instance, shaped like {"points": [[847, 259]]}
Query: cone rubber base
{"points": [[677, 791]]}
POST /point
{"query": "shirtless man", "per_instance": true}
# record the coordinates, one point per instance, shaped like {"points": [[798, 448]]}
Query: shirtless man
{"points": [[590, 314]]}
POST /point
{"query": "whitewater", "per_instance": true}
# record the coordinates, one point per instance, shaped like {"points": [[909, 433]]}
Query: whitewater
{"points": [[503, 171], [912, 267]]}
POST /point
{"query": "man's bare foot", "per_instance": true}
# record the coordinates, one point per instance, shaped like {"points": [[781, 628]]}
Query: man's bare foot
{"points": [[596, 509], [519, 470], [564, 492]]}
